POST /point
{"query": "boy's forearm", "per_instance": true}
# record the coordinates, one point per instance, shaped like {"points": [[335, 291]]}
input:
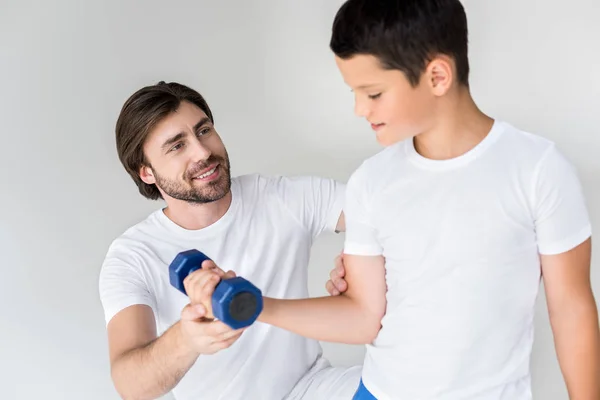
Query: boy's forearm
{"points": [[330, 319], [577, 338], [153, 370]]}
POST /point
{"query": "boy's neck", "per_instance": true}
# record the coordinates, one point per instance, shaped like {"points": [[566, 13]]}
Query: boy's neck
{"points": [[459, 127]]}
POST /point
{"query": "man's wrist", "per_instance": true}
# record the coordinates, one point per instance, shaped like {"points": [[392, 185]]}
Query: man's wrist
{"points": [[182, 342]]}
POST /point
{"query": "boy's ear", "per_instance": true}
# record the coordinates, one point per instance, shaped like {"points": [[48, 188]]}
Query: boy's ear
{"points": [[440, 75], [147, 175]]}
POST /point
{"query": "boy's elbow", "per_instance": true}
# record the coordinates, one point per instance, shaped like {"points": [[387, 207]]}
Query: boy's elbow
{"points": [[370, 329]]}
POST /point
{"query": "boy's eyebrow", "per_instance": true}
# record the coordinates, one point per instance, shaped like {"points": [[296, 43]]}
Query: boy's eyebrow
{"points": [[368, 85]]}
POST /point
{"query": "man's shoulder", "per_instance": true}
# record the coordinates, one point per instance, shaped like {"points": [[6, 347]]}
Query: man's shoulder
{"points": [[275, 184], [133, 241]]}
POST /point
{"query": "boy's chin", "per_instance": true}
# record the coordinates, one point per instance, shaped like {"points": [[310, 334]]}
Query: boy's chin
{"points": [[387, 137]]}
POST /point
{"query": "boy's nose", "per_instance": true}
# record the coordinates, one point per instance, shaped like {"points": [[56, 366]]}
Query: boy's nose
{"points": [[361, 109]]}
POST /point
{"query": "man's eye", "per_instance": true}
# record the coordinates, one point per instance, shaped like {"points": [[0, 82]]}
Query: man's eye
{"points": [[203, 131], [374, 96], [176, 147]]}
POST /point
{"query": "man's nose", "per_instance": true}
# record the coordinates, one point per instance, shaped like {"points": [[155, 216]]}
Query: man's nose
{"points": [[199, 151]]}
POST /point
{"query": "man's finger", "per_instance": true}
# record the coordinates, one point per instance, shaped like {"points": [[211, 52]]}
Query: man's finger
{"points": [[331, 288], [210, 265], [340, 285], [216, 329], [333, 274], [198, 278], [340, 269], [193, 312], [224, 344], [230, 274]]}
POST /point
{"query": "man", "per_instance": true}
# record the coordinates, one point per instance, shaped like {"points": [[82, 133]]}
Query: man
{"points": [[260, 227]]}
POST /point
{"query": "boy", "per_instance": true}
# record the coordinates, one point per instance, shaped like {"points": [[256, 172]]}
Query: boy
{"points": [[450, 228]]}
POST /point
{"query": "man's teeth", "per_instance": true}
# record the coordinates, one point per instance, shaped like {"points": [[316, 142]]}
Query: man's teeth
{"points": [[207, 173]]}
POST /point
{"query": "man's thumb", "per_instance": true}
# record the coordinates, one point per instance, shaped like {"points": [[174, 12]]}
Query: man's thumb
{"points": [[192, 312]]}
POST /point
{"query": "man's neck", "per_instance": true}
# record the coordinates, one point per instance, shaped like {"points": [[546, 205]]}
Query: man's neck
{"points": [[197, 216], [459, 128]]}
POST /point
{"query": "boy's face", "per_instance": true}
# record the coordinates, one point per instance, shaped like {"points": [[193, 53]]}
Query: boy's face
{"points": [[188, 159], [385, 98]]}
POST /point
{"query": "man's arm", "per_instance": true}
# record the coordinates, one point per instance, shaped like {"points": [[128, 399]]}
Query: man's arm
{"points": [[353, 317], [142, 365], [574, 319], [341, 224], [315, 202]]}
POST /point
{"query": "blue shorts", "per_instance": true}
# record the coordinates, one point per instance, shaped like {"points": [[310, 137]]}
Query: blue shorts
{"points": [[362, 393]]}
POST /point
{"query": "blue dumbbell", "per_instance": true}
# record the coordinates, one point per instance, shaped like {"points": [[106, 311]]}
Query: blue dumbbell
{"points": [[235, 302]]}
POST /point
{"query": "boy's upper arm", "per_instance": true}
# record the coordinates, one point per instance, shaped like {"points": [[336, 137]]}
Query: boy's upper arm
{"points": [[365, 276], [567, 277], [361, 232], [363, 254], [563, 228], [559, 207]]}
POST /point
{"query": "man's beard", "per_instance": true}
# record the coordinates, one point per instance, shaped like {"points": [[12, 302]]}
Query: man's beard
{"points": [[186, 191]]}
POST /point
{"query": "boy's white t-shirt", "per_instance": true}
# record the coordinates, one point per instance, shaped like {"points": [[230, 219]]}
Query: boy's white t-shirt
{"points": [[265, 237], [461, 239]]}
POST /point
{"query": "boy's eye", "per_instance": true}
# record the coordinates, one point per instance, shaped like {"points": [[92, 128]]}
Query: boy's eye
{"points": [[374, 96]]}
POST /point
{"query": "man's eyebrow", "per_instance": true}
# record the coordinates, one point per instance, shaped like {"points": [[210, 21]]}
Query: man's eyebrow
{"points": [[202, 122], [172, 140], [181, 135]]}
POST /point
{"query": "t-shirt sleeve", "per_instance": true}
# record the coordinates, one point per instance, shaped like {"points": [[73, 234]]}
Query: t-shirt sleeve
{"points": [[560, 212], [361, 234], [121, 283], [315, 202]]}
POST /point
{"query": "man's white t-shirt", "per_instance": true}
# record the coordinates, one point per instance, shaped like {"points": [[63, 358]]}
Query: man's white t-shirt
{"points": [[265, 237], [461, 239]]}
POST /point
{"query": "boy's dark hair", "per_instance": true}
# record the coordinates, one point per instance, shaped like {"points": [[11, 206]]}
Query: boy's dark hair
{"points": [[139, 116], [403, 34]]}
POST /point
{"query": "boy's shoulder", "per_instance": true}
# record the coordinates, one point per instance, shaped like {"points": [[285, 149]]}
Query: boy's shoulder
{"points": [[521, 142], [377, 170], [384, 158]]}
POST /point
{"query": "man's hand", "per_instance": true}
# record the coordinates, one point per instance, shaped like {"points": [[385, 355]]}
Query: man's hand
{"points": [[336, 283], [205, 336], [200, 285], [201, 332]]}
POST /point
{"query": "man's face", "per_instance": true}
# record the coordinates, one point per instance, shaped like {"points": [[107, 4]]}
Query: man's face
{"points": [[385, 98], [187, 158]]}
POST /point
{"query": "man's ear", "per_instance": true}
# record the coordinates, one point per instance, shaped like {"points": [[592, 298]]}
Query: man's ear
{"points": [[147, 175], [440, 75]]}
